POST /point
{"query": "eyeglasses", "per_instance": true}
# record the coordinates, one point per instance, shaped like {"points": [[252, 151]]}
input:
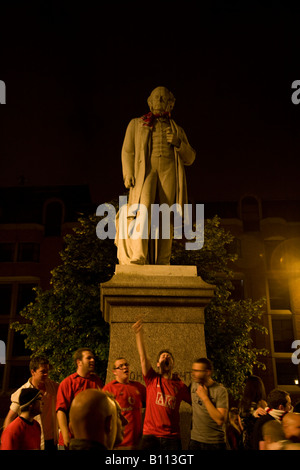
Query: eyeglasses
{"points": [[122, 366]]}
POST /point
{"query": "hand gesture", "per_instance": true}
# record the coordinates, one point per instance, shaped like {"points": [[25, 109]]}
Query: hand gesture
{"points": [[129, 182], [137, 327], [172, 138], [202, 392]]}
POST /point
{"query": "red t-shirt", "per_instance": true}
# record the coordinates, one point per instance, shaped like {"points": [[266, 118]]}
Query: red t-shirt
{"points": [[162, 406], [130, 397], [21, 434], [69, 388]]}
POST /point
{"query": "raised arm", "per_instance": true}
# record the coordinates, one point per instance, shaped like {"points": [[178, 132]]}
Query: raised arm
{"points": [[139, 336]]}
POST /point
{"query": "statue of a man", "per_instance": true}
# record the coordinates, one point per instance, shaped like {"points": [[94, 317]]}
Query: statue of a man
{"points": [[154, 153]]}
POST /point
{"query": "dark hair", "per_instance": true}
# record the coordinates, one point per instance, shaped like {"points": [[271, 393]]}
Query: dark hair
{"points": [[164, 351], [78, 354], [254, 392], [207, 362], [118, 359], [28, 396], [276, 398], [37, 361]]}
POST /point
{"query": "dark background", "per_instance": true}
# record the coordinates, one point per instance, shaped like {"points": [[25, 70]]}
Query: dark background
{"points": [[76, 73]]}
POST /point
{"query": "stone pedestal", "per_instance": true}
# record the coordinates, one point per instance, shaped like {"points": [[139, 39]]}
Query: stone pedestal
{"points": [[171, 301]]}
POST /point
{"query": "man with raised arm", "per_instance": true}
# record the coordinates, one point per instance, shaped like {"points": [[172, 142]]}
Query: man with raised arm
{"points": [[165, 391]]}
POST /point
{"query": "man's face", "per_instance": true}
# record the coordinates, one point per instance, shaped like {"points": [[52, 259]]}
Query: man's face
{"points": [[199, 373], [121, 370], [165, 362], [159, 100], [288, 406], [292, 427], [41, 374], [37, 406], [87, 363]]}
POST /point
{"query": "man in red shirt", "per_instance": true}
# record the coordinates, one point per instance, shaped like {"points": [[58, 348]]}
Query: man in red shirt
{"points": [[130, 395], [82, 379], [39, 367], [24, 432], [165, 392]]}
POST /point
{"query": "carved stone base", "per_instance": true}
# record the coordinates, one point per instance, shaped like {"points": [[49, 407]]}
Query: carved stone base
{"points": [[171, 301]]}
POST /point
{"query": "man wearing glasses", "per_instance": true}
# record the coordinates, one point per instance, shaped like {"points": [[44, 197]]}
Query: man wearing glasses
{"points": [[131, 396]]}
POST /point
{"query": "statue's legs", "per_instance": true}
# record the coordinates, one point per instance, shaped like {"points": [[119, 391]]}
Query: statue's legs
{"points": [[159, 187]]}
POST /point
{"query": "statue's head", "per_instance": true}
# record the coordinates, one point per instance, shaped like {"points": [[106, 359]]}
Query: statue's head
{"points": [[161, 100]]}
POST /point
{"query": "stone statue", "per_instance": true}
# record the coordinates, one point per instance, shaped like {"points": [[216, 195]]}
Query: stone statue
{"points": [[154, 153]]}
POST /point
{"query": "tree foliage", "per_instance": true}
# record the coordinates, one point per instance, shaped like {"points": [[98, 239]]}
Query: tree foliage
{"points": [[67, 316]]}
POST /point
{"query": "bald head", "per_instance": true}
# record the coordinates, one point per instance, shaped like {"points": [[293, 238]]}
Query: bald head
{"points": [[161, 100], [93, 416], [291, 426]]}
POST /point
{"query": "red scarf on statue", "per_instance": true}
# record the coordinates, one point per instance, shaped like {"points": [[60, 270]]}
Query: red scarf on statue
{"points": [[150, 117]]}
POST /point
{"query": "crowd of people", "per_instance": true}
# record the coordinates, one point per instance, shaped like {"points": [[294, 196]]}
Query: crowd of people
{"points": [[82, 414]]}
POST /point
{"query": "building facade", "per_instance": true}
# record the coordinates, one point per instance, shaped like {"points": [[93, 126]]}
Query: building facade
{"points": [[267, 243]]}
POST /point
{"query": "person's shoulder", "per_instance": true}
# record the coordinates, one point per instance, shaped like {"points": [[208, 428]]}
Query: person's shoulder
{"points": [[176, 378], [151, 374], [136, 384], [15, 424], [219, 385], [69, 379], [110, 385], [51, 384]]}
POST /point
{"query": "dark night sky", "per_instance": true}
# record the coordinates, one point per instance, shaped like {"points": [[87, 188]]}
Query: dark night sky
{"points": [[77, 73]]}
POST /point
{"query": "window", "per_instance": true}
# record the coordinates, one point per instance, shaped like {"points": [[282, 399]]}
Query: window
{"points": [[283, 333], [25, 296], [29, 252], [238, 289], [3, 333], [19, 348], [275, 254], [7, 252], [18, 375], [5, 298], [279, 294], [287, 372]]}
